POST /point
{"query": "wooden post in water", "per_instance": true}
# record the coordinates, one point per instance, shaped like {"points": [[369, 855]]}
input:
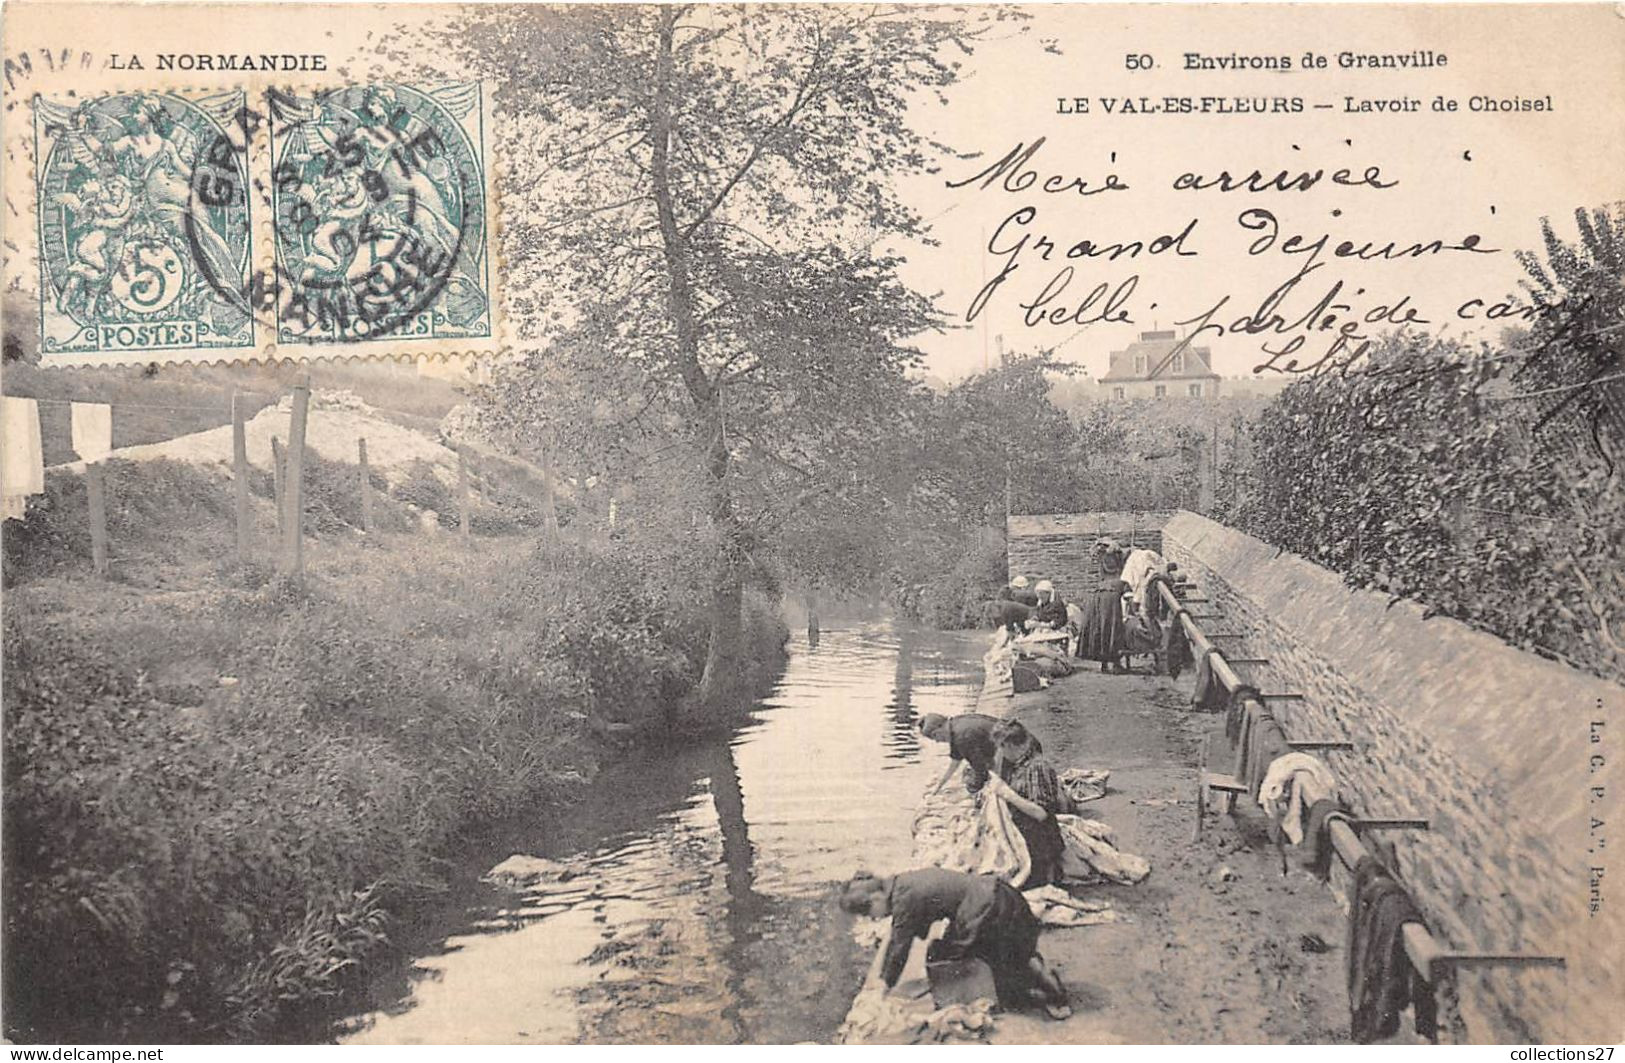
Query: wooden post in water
{"points": [[280, 487], [293, 552], [462, 494], [96, 496], [366, 485], [239, 474]]}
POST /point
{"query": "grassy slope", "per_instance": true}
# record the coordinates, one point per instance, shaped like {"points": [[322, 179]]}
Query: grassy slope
{"points": [[217, 788]]}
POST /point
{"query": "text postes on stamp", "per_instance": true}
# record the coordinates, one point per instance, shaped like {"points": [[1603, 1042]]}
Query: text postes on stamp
{"points": [[379, 207], [131, 260]]}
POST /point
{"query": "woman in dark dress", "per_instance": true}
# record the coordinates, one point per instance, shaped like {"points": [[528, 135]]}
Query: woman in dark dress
{"points": [[1051, 609], [1026, 780], [987, 920], [970, 742], [1102, 637]]}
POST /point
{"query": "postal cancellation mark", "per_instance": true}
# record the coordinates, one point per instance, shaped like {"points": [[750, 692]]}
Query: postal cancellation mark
{"points": [[376, 197]]}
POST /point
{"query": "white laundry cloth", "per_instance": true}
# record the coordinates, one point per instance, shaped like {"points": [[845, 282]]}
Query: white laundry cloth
{"points": [[1138, 568], [92, 430], [22, 456], [1306, 777]]}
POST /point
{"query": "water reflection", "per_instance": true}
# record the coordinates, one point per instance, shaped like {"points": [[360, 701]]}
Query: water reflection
{"points": [[694, 904]]}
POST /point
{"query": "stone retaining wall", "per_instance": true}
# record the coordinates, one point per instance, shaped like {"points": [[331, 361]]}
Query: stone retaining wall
{"points": [[1490, 743]]}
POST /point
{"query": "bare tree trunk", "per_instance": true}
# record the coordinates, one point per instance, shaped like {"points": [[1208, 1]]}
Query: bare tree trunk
{"points": [[727, 592]]}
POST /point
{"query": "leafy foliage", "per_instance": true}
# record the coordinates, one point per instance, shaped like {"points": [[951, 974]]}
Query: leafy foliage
{"points": [[1573, 366], [216, 796], [1425, 478], [1001, 430], [713, 181]]}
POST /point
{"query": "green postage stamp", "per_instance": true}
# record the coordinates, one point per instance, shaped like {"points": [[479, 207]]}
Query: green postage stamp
{"points": [[269, 223], [131, 256], [379, 207]]}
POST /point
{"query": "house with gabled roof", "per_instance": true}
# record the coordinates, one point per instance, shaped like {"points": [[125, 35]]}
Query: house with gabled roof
{"points": [[1159, 366]]}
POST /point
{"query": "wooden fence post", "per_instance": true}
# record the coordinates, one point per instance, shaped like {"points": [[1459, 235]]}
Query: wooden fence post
{"points": [[550, 511], [366, 485], [462, 494], [96, 496], [239, 473], [278, 475], [293, 553]]}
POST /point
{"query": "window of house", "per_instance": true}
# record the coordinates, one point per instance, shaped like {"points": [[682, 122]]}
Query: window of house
{"points": [[1196, 391], [1118, 393], [1139, 365], [1162, 391], [1179, 363]]}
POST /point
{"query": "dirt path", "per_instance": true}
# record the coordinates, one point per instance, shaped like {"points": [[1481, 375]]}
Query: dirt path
{"points": [[1203, 957]]}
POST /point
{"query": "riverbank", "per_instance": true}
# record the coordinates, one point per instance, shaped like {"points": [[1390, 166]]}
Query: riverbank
{"points": [[1215, 946], [224, 793]]}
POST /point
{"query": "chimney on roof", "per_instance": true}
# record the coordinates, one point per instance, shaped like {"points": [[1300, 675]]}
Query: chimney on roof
{"points": [[1163, 334]]}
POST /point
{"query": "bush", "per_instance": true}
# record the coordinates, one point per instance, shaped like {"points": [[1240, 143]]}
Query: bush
{"points": [[166, 510], [954, 598], [217, 798], [332, 491], [1420, 480]]}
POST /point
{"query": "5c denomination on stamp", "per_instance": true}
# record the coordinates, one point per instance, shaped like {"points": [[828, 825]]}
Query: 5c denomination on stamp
{"points": [[130, 258], [266, 223]]}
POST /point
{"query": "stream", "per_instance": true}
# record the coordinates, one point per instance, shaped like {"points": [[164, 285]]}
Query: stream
{"points": [[698, 905]]}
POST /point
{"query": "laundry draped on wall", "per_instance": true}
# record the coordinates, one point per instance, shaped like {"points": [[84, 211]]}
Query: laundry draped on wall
{"points": [[1210, 695], [1318, 834], [1291, 784], [1381, 980]]}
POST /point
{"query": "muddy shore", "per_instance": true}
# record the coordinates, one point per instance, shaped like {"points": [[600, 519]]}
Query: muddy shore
{"points": [[1216, 946]]}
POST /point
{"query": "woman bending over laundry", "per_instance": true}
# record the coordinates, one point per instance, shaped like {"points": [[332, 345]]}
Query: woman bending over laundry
{"points": [[988, 920], [970, 742]]}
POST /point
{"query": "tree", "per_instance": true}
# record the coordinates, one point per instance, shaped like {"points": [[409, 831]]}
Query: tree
{"points": [[698, 193], [1574, 368]]}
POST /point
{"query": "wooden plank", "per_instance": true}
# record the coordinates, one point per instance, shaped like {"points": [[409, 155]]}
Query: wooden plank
{"points": [[279, 473], [96, 499], [550, 512], [239, 474], [366, 485], [293, 546], [1361, 823], [462, 494], [1347, 843]]}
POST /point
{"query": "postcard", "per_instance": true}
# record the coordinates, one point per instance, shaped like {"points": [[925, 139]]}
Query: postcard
{"points": [[840, 523]]}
